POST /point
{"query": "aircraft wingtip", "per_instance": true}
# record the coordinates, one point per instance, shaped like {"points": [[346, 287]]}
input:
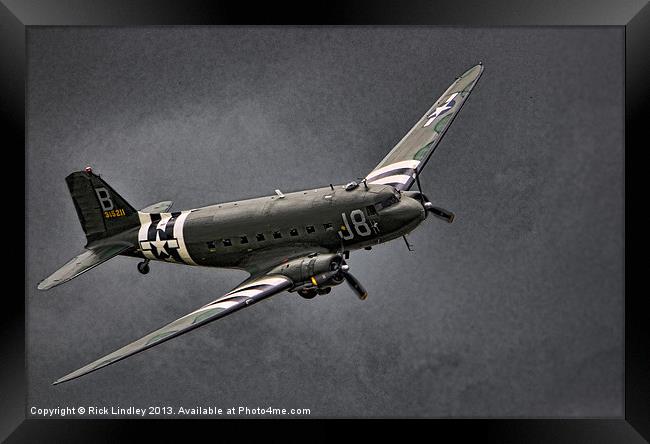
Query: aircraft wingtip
{"points": [[62, 379], [65, 378], [43, 285]]}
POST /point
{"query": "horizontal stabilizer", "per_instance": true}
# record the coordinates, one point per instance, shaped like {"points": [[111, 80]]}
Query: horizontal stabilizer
{"points": [[80, 264], [159, 207]]}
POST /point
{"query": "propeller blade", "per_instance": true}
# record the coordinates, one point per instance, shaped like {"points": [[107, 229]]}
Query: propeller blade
{"points": [[440, 213], [356, 286]]}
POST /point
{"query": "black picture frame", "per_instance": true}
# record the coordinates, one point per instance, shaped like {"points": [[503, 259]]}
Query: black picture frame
{"points": [[16, 16]]}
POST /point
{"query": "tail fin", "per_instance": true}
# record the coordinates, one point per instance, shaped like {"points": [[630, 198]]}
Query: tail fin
{"points": [[102, 212]]}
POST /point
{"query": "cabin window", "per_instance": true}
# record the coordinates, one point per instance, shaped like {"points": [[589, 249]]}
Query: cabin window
{"points": [[243, 240], [310, 229], [226, 242], [277, 235], [327, 226], [211, 246], [293, 232], [260, 237]]}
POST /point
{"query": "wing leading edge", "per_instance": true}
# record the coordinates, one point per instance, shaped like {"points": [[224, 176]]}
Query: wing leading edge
{"points": [[405, 161], [244, 295]]}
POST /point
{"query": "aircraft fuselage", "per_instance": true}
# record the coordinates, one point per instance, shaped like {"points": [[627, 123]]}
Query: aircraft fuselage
{"points": [[242, 234]]}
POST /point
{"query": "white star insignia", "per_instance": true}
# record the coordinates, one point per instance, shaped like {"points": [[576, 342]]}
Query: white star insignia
{"points": [[440, 110], [159, 245]]}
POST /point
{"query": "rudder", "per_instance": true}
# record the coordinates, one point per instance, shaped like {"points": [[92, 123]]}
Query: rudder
{"points": [[101, 210]]}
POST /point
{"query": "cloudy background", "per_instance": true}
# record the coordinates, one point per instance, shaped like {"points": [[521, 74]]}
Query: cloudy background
{"points": [[515, 309]]}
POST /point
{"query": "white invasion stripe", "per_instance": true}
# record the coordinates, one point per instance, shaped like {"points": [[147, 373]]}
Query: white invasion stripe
{"points": [[221, 300], [145, 222], [393, 166], [263, 281], [224, 304], [251, 292], [178, 234], [144, 217], [400, 178]]}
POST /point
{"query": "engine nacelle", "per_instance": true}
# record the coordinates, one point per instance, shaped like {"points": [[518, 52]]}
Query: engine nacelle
{"points": [[312, 271]]}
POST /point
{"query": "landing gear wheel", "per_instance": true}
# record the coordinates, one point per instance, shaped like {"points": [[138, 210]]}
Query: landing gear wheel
{"points": [[143, 267]]}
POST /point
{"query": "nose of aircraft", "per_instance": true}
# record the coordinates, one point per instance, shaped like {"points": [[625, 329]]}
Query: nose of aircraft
{"points": [[408, 210], [413, 209], [404, 215]]}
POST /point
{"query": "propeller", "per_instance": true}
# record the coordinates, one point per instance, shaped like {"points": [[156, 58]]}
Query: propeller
{"points": [[339, 273], [354, 283], [438, 212]]}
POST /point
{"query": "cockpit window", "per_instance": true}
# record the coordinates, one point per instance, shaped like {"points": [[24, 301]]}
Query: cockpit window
{"points": [[392, 200]]}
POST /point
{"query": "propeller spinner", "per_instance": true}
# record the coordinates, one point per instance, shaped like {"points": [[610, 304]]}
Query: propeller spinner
{"points": [[338, 274]]}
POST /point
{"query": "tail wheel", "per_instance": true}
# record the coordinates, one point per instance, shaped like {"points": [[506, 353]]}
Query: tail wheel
{"points": [[143, 267]]}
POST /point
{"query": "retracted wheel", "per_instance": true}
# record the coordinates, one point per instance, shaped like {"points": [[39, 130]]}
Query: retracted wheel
{"points": [[307, 294]]}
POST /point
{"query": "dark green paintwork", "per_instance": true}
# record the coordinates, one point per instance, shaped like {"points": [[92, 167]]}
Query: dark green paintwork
{"points": [[294, 211]]}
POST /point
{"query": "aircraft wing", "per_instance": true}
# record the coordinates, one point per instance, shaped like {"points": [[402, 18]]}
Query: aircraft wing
{"points": [[405, 161], [247, 293]]}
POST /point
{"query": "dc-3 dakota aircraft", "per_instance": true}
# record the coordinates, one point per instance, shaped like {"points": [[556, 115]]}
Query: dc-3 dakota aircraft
{"points": [[295, 241]]}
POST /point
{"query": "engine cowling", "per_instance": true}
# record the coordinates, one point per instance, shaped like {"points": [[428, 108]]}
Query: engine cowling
{"points": [[318, 271]]}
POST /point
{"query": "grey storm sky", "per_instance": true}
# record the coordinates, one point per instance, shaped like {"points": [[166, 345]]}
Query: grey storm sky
{"points": [[515, 309]]}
